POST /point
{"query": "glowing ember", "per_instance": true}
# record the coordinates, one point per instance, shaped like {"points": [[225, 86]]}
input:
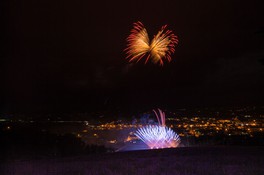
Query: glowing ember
{"points": [[161, 47], [158, 136]]}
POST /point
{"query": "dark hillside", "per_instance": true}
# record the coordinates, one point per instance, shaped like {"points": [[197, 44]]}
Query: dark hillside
{"points": [[180, 161]]}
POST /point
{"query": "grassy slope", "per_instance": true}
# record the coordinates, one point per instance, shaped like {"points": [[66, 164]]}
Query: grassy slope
{"points": [[180, 161]]}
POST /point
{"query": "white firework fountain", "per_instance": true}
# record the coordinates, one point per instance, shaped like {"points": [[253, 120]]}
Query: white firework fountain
{"points": [[158, 136]]}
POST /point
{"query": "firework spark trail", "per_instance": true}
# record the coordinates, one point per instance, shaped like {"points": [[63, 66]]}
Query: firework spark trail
{"points": [[161, 47], [161, 121], [158, 136]]}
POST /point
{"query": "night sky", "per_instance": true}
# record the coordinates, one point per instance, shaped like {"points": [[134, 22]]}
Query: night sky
{"points": [[68, 55]]}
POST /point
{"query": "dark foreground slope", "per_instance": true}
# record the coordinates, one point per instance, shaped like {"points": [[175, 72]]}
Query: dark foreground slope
{"points": [[180, 161]]}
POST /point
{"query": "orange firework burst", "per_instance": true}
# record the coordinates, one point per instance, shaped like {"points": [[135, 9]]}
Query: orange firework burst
{"points": [[160, 48]]}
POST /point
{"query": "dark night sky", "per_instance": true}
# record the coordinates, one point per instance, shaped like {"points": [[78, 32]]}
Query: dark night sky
{"points": [[68, 55]]}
